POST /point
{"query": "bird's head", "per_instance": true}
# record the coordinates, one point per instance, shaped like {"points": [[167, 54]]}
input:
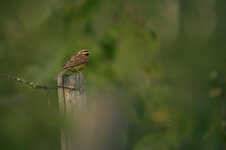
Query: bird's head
{"points": [[83, 52]]}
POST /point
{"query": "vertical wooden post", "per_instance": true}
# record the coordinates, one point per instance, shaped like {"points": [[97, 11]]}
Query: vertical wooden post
{"points": [[71, 101]]}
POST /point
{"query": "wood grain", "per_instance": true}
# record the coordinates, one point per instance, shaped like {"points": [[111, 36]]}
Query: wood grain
{"points": [[72, 102]]}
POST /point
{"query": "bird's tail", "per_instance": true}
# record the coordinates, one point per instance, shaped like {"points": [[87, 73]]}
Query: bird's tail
{"points": [[60, 74]]}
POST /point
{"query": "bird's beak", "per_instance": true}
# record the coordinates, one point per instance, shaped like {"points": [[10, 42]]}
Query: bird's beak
{"points": [[89, 52]]}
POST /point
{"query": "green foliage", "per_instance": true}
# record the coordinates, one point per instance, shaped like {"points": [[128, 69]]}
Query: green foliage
{"points": [[154, 56]]}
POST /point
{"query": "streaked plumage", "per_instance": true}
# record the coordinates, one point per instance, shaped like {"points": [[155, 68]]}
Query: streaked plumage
{"points": [[76, 63]]}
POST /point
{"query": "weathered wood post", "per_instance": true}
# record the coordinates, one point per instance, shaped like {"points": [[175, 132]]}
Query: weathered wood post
{"points": [[72, 102]]}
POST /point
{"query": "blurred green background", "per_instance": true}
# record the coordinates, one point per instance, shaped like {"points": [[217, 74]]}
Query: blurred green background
{"points": [[163, 59]]}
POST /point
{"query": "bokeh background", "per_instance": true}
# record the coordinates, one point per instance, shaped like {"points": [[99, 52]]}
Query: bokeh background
{"points": [[157, 67]]}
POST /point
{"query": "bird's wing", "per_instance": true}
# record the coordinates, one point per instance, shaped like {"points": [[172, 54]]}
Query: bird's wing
{"points": [[74, 61]]}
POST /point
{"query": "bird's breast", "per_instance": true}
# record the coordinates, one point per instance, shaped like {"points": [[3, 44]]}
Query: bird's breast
{"points": [[79, 67]]}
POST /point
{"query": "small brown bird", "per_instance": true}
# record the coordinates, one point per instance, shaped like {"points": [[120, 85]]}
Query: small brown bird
{"points": [[77, 62]]}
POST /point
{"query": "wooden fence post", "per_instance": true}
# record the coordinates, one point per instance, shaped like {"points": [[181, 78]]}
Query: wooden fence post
{"points": [[71, 101]]}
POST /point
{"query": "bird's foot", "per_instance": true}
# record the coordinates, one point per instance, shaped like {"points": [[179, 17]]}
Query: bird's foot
{"points": [[80, 73]]}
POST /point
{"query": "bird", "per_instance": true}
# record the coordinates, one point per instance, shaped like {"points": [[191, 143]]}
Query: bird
{"points": [[77, 62]]}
